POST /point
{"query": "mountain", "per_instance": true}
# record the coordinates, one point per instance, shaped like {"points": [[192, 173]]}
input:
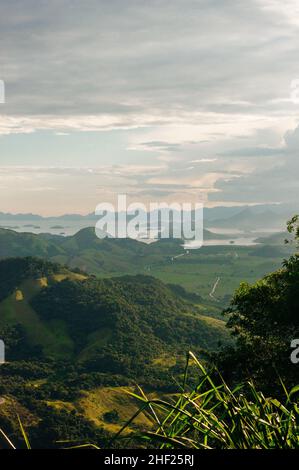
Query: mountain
{"points": [[88, 252], [250, 220], [210, 213], [35, 217], [195, 270], [20, 217], [27, 244]]}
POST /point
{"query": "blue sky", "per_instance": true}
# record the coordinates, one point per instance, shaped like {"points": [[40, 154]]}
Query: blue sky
{"points": [[188, 100]]}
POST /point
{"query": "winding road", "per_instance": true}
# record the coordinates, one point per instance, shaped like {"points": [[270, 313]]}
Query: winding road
{"points": [[211, 294]]}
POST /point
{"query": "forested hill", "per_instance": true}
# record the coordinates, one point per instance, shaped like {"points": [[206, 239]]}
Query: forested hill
{"points": [[74, 341], [114, 324], [86, 250]]}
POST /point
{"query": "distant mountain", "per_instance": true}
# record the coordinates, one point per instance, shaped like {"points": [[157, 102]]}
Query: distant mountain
{"points": [[275, 239], [21, 217], [27, 244], [90, 253], [250, 220], [30, 217], [210, 214]]}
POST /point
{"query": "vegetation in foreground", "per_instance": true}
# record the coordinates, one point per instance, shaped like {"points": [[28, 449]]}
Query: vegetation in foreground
{"points": [[72, 341], [264, 318], [210, 415], [213, 415]]}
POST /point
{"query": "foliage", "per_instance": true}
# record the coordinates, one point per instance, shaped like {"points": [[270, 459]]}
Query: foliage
{"points": [[123, 329], [264, 317], [14, 270], [293, 228], [111, 416], [213, 415]]}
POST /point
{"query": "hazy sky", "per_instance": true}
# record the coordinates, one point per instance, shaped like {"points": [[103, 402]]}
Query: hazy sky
{"points": [[174, 100]]}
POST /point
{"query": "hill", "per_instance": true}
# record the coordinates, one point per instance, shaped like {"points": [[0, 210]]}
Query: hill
{"points": [[74, 341], [195, 270], [86, 251], [80, 317]]}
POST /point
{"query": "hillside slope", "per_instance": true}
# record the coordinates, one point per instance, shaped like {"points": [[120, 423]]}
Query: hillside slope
{"points": [[195, 270], [73, 342], [109, 323]]}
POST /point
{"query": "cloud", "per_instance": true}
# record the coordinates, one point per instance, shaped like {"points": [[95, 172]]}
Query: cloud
{"points": [[287, 10], [204, 160], [277, 182], [134, 59], [253, 152], [195, 95]]}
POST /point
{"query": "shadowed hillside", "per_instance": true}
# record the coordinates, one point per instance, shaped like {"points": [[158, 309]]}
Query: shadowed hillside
{"points": [[73, 340], [68, 314]]}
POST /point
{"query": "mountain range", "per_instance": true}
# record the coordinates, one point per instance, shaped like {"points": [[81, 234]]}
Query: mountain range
{"points": [[86, 251], [250, 220], [275, 213]]}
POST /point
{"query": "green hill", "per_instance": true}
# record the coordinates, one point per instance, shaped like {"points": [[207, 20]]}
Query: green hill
{"points": [[73, 342], [85, 250], [75, 316], [194, 270]]}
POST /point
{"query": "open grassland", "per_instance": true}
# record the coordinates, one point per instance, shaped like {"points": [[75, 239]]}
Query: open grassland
{"points": [[198, 271], [96, 403]]}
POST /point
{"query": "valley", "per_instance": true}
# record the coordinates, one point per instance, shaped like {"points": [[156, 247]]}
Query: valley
{"points": [[167, 260], [84, 319]]}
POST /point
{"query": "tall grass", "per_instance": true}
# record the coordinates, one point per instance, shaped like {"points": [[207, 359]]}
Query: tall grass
{"points": [[8, 443], [212, 415], [6, 440]]}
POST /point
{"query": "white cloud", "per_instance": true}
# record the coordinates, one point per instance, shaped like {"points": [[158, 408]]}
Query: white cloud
{"points": [[193, 82], [204, 160], [287, 9]]}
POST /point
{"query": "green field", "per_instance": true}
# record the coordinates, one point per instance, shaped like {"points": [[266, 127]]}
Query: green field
{"points": [[199, 270]]}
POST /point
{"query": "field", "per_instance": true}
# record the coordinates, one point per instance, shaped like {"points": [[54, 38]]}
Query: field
{"points": [[199, 270]]}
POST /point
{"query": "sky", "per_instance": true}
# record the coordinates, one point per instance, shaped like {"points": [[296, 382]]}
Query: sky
{"points": [[162, 100]]}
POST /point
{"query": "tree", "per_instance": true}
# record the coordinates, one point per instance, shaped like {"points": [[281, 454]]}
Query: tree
{"points": [[264, 318], [293, 228]]}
